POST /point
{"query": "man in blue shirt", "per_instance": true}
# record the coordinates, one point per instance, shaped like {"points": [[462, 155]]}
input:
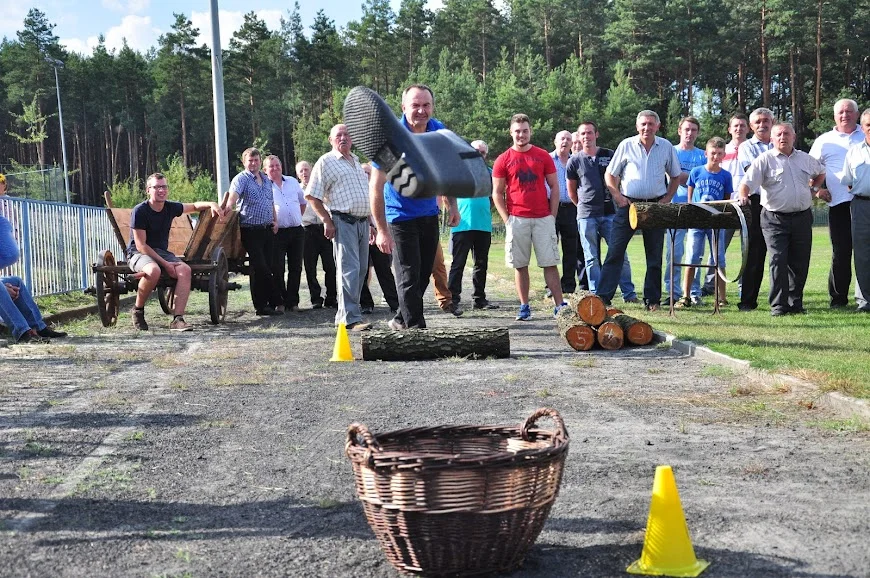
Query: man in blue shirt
{"points": [[690, 157], [258, 222], [408, 228]]}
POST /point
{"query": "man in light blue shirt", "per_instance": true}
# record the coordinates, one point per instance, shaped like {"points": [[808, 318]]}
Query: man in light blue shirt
{"points": [[690, 157], [473, 233]]}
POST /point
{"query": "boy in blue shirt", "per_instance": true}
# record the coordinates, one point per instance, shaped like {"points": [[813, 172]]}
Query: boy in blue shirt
{"points": [[709, 182]]}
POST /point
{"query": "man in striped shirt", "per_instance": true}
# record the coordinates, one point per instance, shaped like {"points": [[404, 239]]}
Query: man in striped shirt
{"points": [[339, 193], [643, 168]]}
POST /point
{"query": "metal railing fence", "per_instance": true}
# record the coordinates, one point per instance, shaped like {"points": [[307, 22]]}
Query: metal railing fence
{"points": [[58, 243], [45, 184]]}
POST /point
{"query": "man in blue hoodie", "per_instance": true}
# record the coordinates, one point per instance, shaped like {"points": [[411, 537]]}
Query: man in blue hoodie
{"points": [[408, 228]]}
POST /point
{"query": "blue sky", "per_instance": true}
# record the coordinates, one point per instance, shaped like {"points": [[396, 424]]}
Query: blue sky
{"points": [[80, 22]]}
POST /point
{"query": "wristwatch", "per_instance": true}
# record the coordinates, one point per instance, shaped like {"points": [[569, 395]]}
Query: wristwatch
{"points": [[815, 190]]}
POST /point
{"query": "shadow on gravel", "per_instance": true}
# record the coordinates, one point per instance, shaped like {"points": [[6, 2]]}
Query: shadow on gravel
{"points": [[605, 560], [118, 520], [97, 420]]}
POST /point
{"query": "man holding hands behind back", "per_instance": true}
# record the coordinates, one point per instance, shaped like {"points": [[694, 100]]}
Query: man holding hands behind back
{"points": [[787, 180]]}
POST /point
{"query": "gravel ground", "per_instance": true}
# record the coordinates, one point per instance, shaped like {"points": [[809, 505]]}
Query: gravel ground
{"points": [[220, 452]]}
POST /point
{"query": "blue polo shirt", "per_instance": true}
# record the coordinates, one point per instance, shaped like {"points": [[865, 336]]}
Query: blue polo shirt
{"points": [[399, 208]]}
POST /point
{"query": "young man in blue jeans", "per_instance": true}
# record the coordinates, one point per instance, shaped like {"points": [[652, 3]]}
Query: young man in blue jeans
{"points": [[706, 183]]}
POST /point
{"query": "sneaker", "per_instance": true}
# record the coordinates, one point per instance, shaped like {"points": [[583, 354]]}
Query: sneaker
{"points": [[32, 337], [49, 332], [558, 308], [652, 306], [279, 308], [525, 312], [331, 304], [317, 305], [396, 325], [367, 310], [138, 316], [359, 326], [632, 300], [696, 301], [484, 304], [179, 324]]}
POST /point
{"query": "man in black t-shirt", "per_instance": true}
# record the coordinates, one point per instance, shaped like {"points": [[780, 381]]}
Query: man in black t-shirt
{"points": [[148, 253], [595, 209]]}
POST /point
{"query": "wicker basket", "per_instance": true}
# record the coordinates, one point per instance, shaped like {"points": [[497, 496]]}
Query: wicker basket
{"points": [[458, 500]]}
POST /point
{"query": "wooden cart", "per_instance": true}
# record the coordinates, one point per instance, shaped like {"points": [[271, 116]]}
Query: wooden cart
{"points": [[212, 249]]}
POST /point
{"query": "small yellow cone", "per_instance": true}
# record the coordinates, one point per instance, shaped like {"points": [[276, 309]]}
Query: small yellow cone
{"points": [[667, 548], [341, 350]]}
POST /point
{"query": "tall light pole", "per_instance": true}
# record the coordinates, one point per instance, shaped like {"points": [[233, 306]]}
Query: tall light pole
{"points": [[220, 118], [58, 64]]}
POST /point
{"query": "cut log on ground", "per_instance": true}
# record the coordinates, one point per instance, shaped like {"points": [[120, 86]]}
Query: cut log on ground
{"points": [[613, 311], [636, 332], [420, 344], [609, 335], [588, 306], [686, 216], [579, 335]]}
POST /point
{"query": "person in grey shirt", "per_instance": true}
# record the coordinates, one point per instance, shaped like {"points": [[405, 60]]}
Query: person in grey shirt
{"points": [[787, 180], [643, 168]]}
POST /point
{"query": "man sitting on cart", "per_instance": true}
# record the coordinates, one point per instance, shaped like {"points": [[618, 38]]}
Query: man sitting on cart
{"points": [[148, 254]]}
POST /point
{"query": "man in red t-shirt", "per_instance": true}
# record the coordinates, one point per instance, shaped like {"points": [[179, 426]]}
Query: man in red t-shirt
{"points": [[520, 196]]}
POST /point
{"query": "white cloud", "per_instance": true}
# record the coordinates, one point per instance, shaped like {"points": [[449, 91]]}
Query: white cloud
{"points": [[138, 31], [83, 47], [230, 21], [13, 12], [128, 7]]}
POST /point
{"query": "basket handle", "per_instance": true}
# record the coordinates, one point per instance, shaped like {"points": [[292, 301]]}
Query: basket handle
{"points": [[561, 432], [354, 432]]}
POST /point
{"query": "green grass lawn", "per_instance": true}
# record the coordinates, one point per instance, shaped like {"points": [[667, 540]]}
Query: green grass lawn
{"points": [[827, 347]]}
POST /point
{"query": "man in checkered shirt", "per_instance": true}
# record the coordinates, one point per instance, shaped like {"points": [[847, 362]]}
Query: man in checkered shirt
{"points": [[338, 191], [258, 222]]}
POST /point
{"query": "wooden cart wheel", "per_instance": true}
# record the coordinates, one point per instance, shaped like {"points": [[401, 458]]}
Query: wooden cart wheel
{"points": [[218, 286], [107, 290], [166, 297]]}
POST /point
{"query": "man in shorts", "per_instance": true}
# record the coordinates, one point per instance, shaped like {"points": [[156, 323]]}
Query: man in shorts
{"points": [[148, 253], [520, 196]]}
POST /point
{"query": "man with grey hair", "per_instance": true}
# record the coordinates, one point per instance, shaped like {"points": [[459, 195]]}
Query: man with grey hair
{"points": [[787, 180], [761, 121], [566, 218], [856, 176], [339, 194], [830, 148], [472, 233], [643, 168]]}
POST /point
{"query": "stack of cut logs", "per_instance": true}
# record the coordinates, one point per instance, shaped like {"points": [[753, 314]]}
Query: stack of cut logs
{"points": [[588, 321]]}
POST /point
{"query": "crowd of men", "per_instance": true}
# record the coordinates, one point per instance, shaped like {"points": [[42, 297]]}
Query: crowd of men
{"points": [[346, 215]]}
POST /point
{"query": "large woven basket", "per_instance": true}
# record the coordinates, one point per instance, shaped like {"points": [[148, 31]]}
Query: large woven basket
{"points": [[458, 500]]}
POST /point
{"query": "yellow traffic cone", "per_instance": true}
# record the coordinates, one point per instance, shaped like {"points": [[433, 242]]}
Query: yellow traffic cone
{"points": [[667, 548], [341, 350]]}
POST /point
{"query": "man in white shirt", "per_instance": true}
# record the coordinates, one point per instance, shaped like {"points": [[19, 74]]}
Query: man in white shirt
{"points": [[830, 148], [787, 180], [856, 176], [289, 244]]}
